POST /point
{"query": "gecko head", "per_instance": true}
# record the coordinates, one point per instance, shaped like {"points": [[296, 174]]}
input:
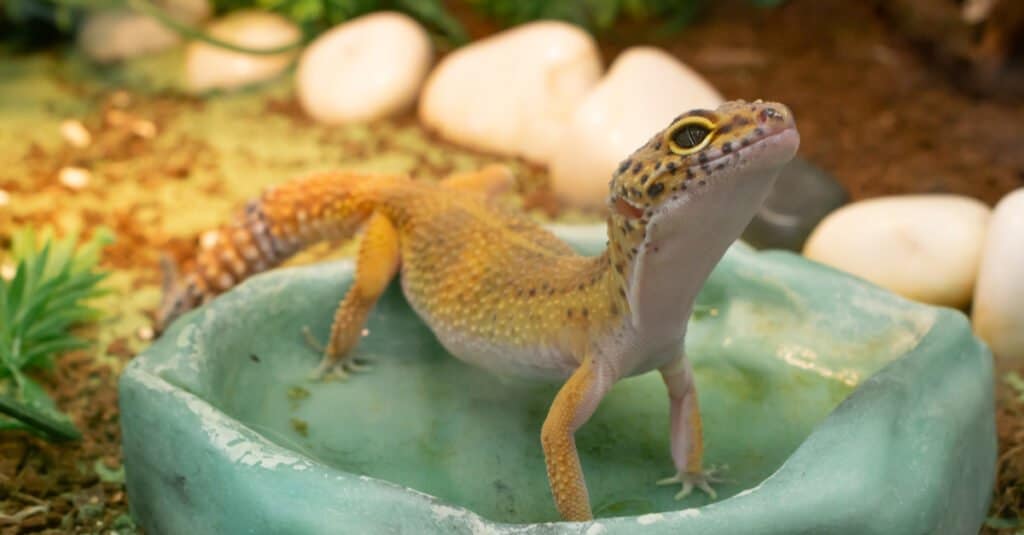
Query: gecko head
{"points": [[702, 153]]}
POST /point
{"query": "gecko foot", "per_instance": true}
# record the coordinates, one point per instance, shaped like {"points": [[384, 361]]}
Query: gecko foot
{"points": [[339, 369], [331, 366], [702, 480]]}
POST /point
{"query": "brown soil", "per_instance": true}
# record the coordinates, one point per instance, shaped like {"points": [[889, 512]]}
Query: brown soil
{"points": [[870, 111]]}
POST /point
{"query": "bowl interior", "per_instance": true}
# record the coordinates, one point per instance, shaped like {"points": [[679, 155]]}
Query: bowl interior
{"points": [[770, 364]]}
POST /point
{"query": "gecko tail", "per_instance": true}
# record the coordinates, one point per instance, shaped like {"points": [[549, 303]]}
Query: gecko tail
{"points": [[267, 231]]}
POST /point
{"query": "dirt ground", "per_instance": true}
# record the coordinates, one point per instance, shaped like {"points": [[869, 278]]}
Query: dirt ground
{"points": [[870, 111]]}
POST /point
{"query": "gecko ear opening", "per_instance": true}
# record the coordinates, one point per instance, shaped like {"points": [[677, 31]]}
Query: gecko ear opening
{"points": [[623, 208]]}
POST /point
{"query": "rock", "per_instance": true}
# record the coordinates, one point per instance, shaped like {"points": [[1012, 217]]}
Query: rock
{"points": [[514, 92], [108, 35], [212, 67], [923, 247], [998, 312], [801, 197], [643, 90], [366, 69]]}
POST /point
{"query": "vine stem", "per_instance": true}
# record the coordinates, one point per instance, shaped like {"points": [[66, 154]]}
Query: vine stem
{"points": [[147, 8]]}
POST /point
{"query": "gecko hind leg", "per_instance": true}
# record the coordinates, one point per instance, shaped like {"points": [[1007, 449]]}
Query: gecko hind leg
{"points": [[376, 264]]}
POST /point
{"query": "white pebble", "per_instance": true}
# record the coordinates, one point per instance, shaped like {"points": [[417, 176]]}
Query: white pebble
{"points": [[75, 178], [212, 67], [145, 333], [75, 133], [209, 239], [645, 88], [108, 35], [512, 93], [998, 311], [144, 129], [365, 69], [923, 247]]}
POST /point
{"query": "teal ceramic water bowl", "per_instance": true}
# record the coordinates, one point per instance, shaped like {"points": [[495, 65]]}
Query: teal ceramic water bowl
{"points": [[836, 406]]}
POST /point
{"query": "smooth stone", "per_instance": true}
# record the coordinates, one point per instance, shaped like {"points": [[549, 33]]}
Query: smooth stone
{"points": [[998, 310], [108, 35], [368, 68], [211, 67], [512, 93], [923, 247], [645, 88], [802, 196], [829, 399]]}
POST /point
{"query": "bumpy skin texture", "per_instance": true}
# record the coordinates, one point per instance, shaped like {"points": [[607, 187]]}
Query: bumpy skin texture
{"points": [[503, 293]]}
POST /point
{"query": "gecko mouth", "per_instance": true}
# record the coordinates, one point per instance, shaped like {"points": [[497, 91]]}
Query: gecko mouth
{"points": [[785, 150], [737, 154], [782, 150]]}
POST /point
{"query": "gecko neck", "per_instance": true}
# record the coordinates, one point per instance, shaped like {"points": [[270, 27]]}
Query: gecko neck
{"points": [[662, 259]]}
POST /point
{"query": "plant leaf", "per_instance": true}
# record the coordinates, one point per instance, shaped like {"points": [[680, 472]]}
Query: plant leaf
{"points": [[33, 407]]}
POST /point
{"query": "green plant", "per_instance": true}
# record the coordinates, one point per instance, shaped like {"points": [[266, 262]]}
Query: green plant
{"points": [[315, 16], [599, 15], [39, 308]]}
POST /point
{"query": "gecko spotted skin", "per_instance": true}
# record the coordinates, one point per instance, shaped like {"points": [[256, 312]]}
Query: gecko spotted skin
{"points": [[502, 293]]}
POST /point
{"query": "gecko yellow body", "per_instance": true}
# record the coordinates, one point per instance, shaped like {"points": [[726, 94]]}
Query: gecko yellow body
{"points": [[502, 293]]}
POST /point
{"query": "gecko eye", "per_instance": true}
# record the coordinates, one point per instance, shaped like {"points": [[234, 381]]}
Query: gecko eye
{"points": [[690, 136]]}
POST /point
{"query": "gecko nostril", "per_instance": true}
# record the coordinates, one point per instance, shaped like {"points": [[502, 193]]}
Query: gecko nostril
{"points": [[768, 113]]}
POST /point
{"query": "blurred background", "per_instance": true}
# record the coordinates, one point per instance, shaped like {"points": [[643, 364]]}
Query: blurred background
{"points": [[128, 127]]}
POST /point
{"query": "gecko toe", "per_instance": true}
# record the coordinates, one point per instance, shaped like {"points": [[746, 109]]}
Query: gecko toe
{"points": [[701, 480]]}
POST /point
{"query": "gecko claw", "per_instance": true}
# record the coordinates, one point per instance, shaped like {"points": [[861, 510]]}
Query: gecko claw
{"points": [[701, 480], [331, 367], [311, 340]]}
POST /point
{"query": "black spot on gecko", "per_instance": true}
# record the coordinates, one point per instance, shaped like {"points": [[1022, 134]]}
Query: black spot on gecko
{"points": [[643, 179], [637, 167], [625, 165], [726, 147], [655, 189], [671, 166]]}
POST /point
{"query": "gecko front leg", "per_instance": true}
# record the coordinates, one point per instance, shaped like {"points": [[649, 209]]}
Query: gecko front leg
{"points": [[573, 406], [687, 441]]}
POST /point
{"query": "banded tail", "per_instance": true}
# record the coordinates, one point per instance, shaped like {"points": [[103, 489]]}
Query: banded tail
{"points": [[271, 228]]}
